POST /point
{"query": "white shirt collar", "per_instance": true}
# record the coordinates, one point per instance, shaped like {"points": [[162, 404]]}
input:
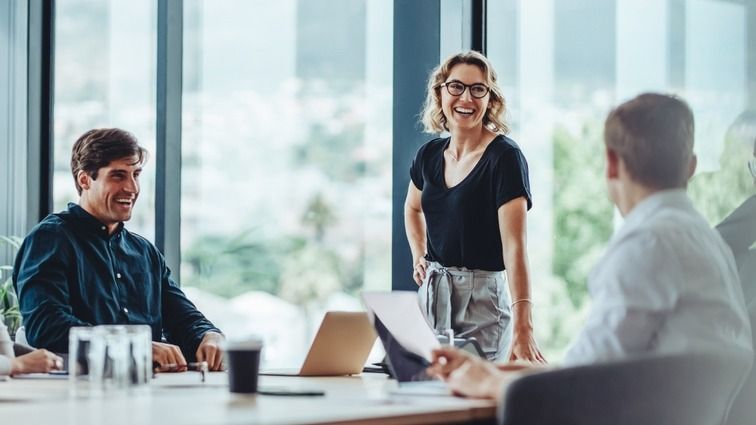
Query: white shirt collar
{"points": [[675, 198]]}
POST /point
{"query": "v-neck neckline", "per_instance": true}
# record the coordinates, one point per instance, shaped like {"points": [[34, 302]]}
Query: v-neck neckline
{"points": [[473, 170]]}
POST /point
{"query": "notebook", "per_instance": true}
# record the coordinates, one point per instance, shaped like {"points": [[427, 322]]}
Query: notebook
{"points": [[341, 347]]}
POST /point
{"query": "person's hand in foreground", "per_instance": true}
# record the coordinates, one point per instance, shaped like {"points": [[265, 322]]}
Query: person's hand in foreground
{"points": [[38, 361], [210, 351], [168, 357], [472, 376]]}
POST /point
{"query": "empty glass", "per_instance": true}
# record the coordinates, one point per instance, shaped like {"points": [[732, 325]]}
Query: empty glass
{"points": [[79, 342], [109, 357], [140, 354]]}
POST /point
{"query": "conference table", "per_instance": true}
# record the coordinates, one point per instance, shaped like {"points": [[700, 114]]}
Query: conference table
{"points": [[182, 398]]}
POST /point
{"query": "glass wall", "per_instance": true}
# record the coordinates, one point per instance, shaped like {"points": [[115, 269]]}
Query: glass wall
{"points": [[563, 65], [286, 163], [287, 137], [14, 19], [105, 77]]}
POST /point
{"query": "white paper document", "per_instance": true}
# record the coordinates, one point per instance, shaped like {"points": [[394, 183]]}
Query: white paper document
{"points": [[400, 312]]}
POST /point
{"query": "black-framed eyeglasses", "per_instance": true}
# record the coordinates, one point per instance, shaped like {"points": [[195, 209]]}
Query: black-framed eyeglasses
{"points": [[456, 88], [752, 167]]}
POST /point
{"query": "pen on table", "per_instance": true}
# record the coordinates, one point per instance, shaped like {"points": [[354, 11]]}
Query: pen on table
{"points": [[188, 366], [201, 367]]}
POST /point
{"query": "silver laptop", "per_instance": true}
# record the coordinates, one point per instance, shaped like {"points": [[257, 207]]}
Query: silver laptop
{"points": [[341, 347]]}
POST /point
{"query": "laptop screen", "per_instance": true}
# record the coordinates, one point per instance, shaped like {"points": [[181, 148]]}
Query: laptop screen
{"points": [[404, 365]]}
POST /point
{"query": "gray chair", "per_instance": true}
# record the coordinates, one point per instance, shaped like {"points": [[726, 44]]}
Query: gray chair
{"points": [[743, 410], [677, 389], [739, 231]]}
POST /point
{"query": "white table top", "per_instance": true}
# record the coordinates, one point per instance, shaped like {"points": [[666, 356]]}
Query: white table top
{"points": [[182, 398]]}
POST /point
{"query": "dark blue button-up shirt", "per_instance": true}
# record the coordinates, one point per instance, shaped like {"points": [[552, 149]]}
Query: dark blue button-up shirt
{"points": [[71, 272]]}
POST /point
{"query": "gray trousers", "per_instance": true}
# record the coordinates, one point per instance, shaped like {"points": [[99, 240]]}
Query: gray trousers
{"points": [[473, 303]]}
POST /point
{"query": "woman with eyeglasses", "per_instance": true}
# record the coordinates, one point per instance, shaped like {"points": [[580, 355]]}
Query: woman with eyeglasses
{"points": [[465, 214]]}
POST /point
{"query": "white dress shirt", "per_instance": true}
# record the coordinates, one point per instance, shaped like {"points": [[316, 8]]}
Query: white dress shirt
{"points": [[666, 284]]}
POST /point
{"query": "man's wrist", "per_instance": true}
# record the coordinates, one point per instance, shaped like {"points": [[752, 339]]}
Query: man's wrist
{"points": [[217, 335]]}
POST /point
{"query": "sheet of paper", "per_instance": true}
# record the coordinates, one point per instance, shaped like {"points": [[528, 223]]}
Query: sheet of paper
{"points": [[400, 313]]}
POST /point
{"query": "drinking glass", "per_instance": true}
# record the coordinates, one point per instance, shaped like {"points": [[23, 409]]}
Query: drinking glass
{"points": [[139, 355], [79, 345], [109, 358]]}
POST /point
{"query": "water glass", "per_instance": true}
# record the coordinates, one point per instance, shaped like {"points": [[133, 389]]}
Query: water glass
{"points": [[79, 344], [140, 354], [109, 357]]}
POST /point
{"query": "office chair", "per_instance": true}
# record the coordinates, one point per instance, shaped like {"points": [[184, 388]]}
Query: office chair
{"points": [[743, 411], [690, 389]]}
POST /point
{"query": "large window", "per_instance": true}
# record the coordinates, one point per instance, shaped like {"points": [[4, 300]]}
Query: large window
{"points": [[563, 65], [286, 163], [105, 77], [286, 147]]}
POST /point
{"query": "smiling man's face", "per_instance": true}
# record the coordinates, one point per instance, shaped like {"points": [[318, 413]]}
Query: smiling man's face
{"points": [[111, 197]]}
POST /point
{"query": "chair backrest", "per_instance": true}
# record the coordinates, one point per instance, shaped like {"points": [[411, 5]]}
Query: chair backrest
{"points": [[743, 410], [689, 389]]}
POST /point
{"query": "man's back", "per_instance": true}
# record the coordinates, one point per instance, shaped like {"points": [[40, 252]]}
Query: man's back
{"points": [[666, 284]]}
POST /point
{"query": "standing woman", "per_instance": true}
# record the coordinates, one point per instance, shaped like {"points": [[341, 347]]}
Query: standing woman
{"points": [[465, 214]]}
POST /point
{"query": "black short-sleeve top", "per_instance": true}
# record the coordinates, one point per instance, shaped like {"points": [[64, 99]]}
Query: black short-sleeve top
{"points": [[462, 222]]}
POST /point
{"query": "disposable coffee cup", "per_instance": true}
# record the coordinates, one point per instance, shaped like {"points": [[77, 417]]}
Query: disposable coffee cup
{"points": [[243, 362]]}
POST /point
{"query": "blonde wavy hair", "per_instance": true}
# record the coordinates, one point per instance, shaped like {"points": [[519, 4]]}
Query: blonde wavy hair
{"points": [[433, 118]]}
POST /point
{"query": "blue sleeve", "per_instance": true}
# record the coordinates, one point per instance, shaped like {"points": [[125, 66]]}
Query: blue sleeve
{"points": [[183, 324], [511, 178], [41, 282]]}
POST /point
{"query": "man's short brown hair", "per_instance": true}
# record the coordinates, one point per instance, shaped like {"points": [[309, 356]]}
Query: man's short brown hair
{"points": [[99, 147], [653, 135]]}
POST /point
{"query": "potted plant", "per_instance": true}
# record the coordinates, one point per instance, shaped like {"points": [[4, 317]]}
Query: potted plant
{"points": [[9, 311]]}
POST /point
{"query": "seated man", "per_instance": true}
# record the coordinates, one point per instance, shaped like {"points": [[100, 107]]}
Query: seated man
{"points": [[667, 282], [81, 267]]}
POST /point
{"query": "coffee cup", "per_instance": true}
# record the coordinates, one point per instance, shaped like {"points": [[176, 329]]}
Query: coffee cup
{"points": [[243, 362]]}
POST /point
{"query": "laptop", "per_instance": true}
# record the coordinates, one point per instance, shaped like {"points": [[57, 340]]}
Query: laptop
{"points": [[404, 322], [341, 347]]}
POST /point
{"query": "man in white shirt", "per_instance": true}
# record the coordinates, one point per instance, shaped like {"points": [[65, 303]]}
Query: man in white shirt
{"points": [[667, 282]]}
